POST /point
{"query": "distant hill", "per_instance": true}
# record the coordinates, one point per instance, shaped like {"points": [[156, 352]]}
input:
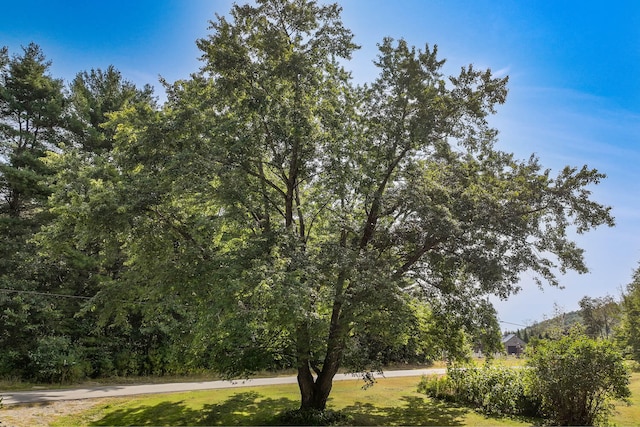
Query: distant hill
{"points": [[546, 327], [565, 321]]}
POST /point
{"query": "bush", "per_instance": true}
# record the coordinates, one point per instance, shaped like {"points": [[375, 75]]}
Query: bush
{"points": [[491, 390], [55, 359], [577, 378], [438, 387], [13, 363]]}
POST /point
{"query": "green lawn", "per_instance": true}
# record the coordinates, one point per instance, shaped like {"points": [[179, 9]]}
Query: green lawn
{"points": [[392, 401], [629, 415]]}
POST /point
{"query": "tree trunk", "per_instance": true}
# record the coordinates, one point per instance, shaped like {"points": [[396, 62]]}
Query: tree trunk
{"points": [[307, 387], [314, 393]]}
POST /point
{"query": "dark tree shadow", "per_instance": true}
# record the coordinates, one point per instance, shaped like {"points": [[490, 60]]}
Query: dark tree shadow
{"points": [[165, 413], [246, 408], [420, 411], [252, 408], [417, 411]]}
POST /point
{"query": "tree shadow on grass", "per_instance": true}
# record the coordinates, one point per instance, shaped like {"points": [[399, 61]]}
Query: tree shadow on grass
{"points": [[416, 411], [246, 408], [419, 411], [252, 408]]}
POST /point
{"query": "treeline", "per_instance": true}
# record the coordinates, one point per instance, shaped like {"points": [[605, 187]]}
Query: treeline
{"points": [[54, 260], [599, 316]]}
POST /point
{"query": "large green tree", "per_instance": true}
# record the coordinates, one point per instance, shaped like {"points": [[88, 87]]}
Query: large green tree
{"points": [[31, 116], [361, 199], [308, 221]]}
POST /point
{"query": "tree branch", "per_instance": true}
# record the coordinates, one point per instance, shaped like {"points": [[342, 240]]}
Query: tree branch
{"points": [[264, 179], [414, 257]]}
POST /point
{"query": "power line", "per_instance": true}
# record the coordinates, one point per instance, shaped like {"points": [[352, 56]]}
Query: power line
{"points": [[16, 291], [511, 323]]}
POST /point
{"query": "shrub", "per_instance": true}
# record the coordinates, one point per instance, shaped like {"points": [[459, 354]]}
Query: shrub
{"points": [[492, 390], [577, 378], [438, 387], [55, 359]]}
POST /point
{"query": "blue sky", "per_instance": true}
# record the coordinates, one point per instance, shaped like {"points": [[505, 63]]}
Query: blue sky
{"points": [[574, 91]]}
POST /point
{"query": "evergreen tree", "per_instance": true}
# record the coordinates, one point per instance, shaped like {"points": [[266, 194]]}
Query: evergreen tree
{"points": [[32, 121]]}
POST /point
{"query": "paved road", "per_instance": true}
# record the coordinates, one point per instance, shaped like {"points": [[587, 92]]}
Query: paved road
{"points": [[14, 398]]}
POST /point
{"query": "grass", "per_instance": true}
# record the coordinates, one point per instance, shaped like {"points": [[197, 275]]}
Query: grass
{"points": [[629, 415], [392, 401]]}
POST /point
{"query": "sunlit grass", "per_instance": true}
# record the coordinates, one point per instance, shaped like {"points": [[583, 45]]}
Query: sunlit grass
{"points": [[628, 415]]}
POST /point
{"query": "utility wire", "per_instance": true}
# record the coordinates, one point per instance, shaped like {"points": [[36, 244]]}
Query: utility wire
{"points": [[16, 291], [48, 294], [511, 323]]}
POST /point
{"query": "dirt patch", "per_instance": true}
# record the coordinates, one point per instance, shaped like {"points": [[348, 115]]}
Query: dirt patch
{"points": [[42, 414]]}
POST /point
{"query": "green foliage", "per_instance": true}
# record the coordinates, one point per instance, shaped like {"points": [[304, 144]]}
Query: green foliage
{"points": [[577, 378], [569, 381], [628, 332], [58, 252], [557, 324], [600, 316], [490, 389], [94, 96], [55, 360], [31, 122], [438, 387]]}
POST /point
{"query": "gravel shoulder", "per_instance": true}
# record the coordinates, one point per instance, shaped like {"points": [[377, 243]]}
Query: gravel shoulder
{"points": [[41, 414]]}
